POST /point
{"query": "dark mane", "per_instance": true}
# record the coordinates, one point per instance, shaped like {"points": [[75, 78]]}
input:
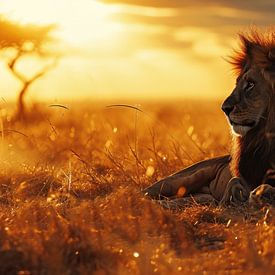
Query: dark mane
{"points": [[254, 154], [255, 48]]}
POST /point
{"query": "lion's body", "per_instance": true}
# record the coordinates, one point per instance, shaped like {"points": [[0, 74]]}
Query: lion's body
{"points": [[250, 109], [206, 177]]}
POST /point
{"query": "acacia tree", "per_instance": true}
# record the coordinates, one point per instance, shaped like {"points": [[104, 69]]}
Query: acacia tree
{"points": [[23, 40]]}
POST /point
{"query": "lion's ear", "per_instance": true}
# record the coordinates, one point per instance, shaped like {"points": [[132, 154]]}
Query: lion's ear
{"points": [[254, 53], [248, 45]]}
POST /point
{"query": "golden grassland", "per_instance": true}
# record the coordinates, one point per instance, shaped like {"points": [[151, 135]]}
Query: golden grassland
{"points": [[71, 203]]}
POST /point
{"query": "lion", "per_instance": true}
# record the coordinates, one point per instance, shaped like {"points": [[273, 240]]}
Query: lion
{"points": [[247, 174]]}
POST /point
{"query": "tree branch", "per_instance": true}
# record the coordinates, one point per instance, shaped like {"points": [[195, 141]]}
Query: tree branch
{"points": [[42, 72], [12, 64], [22, 78]]}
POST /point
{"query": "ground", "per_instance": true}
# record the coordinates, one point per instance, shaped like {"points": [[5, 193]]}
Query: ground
{"points": [[70, 195]]}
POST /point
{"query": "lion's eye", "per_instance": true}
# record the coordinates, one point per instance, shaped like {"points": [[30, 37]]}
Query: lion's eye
{"points": [[249, 85]]}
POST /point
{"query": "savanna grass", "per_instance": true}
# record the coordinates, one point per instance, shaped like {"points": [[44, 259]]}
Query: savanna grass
{"points": [[70, 200]]}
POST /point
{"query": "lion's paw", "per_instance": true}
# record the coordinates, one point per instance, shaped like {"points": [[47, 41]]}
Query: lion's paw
{"points": [[262, 195], [236, 192]]}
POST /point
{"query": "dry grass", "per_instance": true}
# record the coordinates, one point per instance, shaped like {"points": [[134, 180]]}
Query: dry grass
{"points": [[71, 204]]}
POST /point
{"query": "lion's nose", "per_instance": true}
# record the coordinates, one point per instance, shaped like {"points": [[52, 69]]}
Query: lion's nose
{"points": [[227, 109]]}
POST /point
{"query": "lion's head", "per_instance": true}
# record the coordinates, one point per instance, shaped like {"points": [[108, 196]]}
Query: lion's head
{"points": [[251, 104]]}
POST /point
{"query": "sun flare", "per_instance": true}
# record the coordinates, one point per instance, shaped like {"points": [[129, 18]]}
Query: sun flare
{"points": [[78, 22]]}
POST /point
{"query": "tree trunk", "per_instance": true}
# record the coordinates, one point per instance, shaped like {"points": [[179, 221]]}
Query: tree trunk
{"points": [[21, 110]]}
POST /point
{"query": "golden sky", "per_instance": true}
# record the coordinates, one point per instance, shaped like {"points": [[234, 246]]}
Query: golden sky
{"points": [[133, 49]]}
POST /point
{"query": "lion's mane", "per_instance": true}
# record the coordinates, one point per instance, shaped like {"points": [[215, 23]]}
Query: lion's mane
{"points": [[253, 154]]}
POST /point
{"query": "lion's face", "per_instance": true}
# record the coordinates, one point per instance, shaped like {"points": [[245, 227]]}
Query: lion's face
{"points": [[248, 103]]}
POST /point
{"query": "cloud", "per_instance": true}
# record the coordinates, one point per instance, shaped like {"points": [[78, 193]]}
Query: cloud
{"points": [[216, 23], [203, 17], [264, 5], [189, 18]]}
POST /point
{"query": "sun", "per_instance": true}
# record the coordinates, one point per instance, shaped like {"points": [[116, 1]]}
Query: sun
{"points": [[78, 22]]}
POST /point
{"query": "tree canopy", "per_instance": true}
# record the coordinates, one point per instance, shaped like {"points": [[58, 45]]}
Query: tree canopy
{"points": [[17, 35]]}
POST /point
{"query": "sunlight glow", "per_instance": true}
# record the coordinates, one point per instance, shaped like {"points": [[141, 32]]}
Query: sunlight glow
{"points": [[114, 51], [78, 21]]}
